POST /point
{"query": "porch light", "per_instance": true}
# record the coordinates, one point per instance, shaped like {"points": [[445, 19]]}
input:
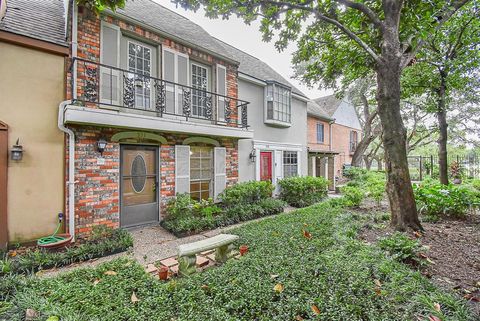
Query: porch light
{"points": [[252, 156], [17, 151], [101, 145]]}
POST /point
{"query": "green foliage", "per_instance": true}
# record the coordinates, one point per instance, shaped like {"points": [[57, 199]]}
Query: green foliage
{"points": [[246, 193], [241, 202], [403, 249], [100, 5], [353, 195], [355, 173], [371, 183], [331, 270], [303, 191], [37, 259], [435, 199]]}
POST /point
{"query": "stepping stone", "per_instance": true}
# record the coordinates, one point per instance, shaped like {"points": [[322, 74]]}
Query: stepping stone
{"points": [[174, 269], [211, 257], [171, 261], [151, 268], [201, 261]]}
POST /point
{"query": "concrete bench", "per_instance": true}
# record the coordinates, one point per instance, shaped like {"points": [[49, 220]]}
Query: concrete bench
{"points": [[222, 243]]}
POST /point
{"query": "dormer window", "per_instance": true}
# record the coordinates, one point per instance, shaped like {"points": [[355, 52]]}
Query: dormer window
{"points": [[278, 104]]}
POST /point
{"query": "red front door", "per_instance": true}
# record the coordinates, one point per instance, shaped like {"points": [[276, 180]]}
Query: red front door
{"points": [[266, 166]]}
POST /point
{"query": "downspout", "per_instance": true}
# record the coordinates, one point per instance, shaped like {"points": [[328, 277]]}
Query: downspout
{"points": [[330, 135], [74, 48], [71, 167]]}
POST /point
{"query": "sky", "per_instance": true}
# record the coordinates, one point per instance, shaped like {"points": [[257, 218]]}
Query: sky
{"points": [[249, 39]]}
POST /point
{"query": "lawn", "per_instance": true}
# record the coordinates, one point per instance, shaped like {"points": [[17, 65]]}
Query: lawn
{"points": [[307, 264]]}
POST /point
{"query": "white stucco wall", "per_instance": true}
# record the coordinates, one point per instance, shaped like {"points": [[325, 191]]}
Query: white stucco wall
{"points": [[268, 137]]}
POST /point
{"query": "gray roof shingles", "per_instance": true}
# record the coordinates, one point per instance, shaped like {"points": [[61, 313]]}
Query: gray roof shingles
{"points": [[38, 19], [317, 110], [329, 104], [169, 22]]}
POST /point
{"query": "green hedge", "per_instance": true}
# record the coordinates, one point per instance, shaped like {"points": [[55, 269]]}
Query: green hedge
{"points": [[241, 202], [303, 191], [246, 193], [102, 242]]}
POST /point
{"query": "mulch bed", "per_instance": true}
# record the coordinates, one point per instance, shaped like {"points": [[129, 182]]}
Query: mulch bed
{"points": [[454, 249]]}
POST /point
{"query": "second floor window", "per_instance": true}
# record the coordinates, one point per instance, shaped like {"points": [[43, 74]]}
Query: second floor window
{"points": [[279, 103], [200, 99], [320, 133], [139, 62]]}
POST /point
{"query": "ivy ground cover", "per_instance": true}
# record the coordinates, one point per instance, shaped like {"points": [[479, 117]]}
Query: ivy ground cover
{"points": [[304, 265]]}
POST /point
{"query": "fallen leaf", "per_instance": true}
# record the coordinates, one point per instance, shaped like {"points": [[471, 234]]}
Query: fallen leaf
{"points": [[307, 234], [315, 309], [417, 234], [273, 276], [305, 224], [204, 286], [437, 307], [110, 272], [377, 283], [53, 318], [471, 297], [299, 318], [423, 255], [278, 288], [13, 253], [96, 282], [134, 298], [433, 318], [430, 261], [378, 291]]}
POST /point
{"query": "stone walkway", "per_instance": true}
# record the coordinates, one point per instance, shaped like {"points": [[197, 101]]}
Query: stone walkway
{"points": [[152, 244]]}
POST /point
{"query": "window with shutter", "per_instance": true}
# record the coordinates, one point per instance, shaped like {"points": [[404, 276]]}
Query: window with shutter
{"points": [[182, 169], [175, 69], [110, 51]]}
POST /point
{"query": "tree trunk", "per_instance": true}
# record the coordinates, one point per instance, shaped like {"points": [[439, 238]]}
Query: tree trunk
{"points": [[442, 126]]}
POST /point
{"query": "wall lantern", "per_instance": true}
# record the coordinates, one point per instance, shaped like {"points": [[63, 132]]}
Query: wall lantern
{"points": [[17, 151], [101, 145], [252, 156]]}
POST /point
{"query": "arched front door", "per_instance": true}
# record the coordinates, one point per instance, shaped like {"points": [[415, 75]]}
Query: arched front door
{"points": [[3, 184]]}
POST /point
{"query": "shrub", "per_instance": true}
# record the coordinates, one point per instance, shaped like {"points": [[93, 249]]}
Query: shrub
{"points": [[372, 182], [303, 191], [36, 259], [437, 199], [354, 173], [403, 249], [246, 193], [241, 202], [353, 196]]}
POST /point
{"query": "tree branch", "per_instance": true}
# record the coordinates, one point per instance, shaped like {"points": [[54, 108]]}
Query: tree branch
{"points": [[365, 10]]}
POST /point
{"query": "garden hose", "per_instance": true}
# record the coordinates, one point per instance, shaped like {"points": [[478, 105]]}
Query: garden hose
{"points": [[52, 238]]}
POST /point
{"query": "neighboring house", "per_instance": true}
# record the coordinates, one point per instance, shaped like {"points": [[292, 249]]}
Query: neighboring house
{"points": [[155, 111], [333, 134], [32, 83], [277, 114]]}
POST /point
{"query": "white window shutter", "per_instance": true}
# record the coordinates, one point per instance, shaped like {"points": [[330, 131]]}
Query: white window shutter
{"points": [[169, 75], [110, 78], [220, 168], [278, 165], [221, 90], [182, 169]]}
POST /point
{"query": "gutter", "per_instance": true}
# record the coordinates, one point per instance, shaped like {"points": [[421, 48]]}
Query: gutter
{"points": [[71, 167], [330, 135]]}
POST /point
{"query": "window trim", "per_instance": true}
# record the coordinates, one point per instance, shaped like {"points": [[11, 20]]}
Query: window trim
{"points": [[277, 122], [145, 46], [297, 164]]}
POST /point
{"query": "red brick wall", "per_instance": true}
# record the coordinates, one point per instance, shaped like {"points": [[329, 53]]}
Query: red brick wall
{"points": [[97, 189], [312, 134]]}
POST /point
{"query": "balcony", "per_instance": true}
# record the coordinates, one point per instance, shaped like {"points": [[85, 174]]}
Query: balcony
{"points": [[110, 96]]}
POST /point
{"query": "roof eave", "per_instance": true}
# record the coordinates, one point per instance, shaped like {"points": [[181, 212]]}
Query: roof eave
{"points": [[330, 119]]}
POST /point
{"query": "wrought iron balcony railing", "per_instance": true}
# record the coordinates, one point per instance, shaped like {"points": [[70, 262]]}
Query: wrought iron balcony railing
{"points": [[109, 86]]}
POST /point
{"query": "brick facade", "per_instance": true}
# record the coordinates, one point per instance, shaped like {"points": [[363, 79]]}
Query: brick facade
{"points": [[340, 143], [97, 188]]}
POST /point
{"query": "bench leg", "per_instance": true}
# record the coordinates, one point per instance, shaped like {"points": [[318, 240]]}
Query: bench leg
{"points": [[224, 252], [186, 265]]}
